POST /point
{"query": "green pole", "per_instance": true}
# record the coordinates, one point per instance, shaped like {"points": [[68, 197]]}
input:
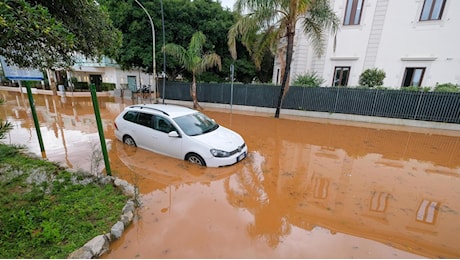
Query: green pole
{"points": [[34, 115], [100, 129]]}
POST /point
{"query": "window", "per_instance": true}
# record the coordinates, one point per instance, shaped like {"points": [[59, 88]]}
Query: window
{"points": [[196, 124], [353, 12], [145, 120], [130, 116], [413, 77], [163, 125], [341, 75], [432, 10]]}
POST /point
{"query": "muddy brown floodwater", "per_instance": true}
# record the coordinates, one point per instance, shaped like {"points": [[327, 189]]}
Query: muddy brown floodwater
{"points": [[309, 188]]}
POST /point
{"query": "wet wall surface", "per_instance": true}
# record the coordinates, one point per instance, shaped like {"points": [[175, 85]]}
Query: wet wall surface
{"points": [[309, 188]]}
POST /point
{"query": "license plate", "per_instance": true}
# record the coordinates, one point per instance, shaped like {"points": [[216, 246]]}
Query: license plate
{"points": [[241, 157]]}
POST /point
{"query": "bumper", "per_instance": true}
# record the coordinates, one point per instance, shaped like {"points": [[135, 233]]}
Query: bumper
{"points": [[226, 161], [118, 135]]}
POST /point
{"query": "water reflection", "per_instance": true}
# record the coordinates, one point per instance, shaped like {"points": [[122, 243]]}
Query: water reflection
{"points": [[152, 171], [361, 181], [307, 189]]}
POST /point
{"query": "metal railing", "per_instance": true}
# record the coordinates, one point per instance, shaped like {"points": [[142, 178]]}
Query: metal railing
{"points": [[425, 106]]}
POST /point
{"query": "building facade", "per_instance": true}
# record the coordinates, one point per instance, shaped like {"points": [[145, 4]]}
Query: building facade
{"points": [[413, 41], [107, 70], [84, 70]]}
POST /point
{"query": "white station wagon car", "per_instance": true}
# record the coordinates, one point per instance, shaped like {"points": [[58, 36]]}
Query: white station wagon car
{"points": [[181, 133]]}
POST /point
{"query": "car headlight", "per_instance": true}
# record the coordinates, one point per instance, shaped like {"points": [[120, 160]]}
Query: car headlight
{"points": [[219, 153]]}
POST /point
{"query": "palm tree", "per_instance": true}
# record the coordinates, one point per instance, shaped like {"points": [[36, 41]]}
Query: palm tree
{"points": [[194, 60], [264, 24], [5, 127]]}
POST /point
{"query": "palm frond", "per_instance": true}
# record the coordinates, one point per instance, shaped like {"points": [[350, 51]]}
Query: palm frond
{"points": [[264, 42], [320, 18], [5, 127], [177, 51], [210, 60], [195, 47]]}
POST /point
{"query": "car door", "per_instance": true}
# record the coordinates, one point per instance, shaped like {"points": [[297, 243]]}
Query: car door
{"points": [[162, 142], [130, 126], [144, 132]]}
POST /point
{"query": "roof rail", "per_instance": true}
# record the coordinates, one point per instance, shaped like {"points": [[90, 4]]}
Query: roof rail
{"points": [[146, 107]]}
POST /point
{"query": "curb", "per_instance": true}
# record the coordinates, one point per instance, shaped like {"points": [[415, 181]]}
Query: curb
{"points": [[100, 244]]}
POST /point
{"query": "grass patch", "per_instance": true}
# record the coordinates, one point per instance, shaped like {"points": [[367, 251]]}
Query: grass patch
{"points": [[48, 212]]}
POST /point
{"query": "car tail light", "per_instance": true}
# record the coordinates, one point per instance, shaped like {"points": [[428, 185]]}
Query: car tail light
{"points": [[115, 125]]}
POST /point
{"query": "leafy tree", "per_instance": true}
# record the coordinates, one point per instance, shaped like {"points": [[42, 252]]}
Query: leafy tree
{"points": [[44, 33], [309, 79], [194, 60], [182, 18], [372, 78], [262, 24]]}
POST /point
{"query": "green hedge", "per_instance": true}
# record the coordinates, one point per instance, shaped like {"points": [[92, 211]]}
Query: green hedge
{"points": [[80, 85], [108, 86]]}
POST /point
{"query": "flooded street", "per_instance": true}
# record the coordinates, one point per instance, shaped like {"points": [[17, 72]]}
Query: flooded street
{"points": [[309, 188]]}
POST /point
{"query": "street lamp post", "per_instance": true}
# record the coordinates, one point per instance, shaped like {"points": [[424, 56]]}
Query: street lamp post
{"points": [[164, 54], [153, 46]]}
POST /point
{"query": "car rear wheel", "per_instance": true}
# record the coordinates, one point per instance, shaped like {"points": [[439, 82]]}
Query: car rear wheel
{"points": [[195, 159], [129, 140]]}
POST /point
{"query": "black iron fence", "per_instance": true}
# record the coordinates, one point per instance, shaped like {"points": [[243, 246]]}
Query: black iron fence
{"points": [[426, 106]]}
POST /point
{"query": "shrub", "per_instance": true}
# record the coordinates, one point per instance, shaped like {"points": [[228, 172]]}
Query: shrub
{"points": [[376, 87], [81, 85], [309, 79], [108, 86], [32, 83], [416, 88], [447, 87], [372, 78]]}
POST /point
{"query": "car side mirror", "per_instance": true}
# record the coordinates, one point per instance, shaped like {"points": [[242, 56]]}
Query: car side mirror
{"points": [[173, 134]]}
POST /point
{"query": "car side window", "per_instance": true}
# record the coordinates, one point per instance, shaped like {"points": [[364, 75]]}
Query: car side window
{"points": [[145, 120], [130, 116], [162, 124]]}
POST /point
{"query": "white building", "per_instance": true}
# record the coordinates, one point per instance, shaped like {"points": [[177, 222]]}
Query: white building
{"points": [[107, 70], [414, 41]]}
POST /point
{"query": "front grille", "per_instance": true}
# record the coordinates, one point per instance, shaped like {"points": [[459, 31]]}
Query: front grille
{"points": [[237, 150]]}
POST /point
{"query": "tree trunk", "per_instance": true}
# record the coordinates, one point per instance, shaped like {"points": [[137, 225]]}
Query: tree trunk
{"points": [[193, 94], [282, 62], [287, 71], [52, 80]]}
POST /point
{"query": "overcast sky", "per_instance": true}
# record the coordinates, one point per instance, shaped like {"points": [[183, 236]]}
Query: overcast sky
{"points": [[227, 3]]}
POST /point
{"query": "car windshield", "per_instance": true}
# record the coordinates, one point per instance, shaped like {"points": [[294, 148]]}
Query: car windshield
{"points": [[196, 124]]}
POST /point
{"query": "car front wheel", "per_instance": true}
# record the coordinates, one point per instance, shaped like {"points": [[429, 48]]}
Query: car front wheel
{"points": [[129, 140], [195, 159]]}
